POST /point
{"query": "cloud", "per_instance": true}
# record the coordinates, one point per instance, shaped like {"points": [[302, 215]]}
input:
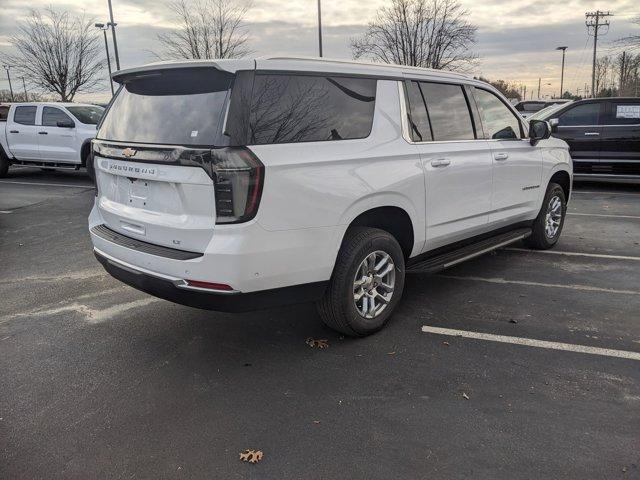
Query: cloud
{"points": [[516, 39]]}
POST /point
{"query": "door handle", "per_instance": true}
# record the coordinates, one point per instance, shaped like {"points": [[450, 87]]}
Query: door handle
{"points": [[440, 162], [14, 131], [591, 134], [501, 156], [42, 133]]}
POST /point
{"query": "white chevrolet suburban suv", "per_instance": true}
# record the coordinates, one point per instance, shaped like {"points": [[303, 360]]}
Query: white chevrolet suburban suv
{"points": [[240, 184], [47, 135]]}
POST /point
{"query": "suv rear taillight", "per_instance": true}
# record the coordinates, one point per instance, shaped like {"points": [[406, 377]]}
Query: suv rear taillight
{"points": [[238, 177]]}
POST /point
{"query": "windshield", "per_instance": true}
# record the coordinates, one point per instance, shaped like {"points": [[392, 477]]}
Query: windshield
{"points": [[546, 112], [89, 115], [176, 107]]}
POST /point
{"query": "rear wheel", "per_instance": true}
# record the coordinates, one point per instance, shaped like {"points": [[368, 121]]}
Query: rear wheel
{"points": [[549, 222], [4, 165], [366, 284]]}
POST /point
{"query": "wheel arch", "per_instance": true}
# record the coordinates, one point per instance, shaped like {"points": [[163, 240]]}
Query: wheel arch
{"points": [[390, 218], [562, 178]]}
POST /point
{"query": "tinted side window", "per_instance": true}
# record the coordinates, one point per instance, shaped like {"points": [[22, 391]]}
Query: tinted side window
{"points": [[25, 115], [497, 120], [4, 113], [585, 114], [305, 108], [418, 118], [622, 113], [448, 111], [51, 116]]}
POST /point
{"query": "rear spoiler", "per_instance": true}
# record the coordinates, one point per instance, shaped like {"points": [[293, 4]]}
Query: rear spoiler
{"points": [[123, 76]]}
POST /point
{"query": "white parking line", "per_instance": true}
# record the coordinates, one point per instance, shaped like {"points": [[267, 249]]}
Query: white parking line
{"points": [[530, 342], [5, 211], [603, 215], [47, 184], [576, 254], [586, 288]]}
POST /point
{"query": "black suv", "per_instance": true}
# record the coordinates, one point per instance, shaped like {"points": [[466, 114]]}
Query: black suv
{"points": [[603, 136]]}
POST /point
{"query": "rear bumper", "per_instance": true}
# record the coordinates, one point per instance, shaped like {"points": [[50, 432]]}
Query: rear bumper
{"points": [[168, 289]]}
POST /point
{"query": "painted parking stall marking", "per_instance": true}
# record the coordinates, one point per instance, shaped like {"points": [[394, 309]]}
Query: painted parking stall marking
{"points": [[530, 342], [574, 254]]}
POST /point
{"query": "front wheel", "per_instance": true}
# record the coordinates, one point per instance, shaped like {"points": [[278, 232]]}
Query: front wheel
{"points": [[366, 284], [91, 172], [548, 224]]}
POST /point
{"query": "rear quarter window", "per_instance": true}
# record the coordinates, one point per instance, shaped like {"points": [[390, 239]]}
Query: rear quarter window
{"points": [[310, 108]]}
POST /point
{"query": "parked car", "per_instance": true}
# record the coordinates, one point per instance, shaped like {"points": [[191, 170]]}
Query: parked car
{"points": [[48, 135], [603, 136], [529, 107], [239, 184]]}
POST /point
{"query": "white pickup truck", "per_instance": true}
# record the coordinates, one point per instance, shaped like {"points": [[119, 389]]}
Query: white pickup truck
{"points": [[47, 135]]}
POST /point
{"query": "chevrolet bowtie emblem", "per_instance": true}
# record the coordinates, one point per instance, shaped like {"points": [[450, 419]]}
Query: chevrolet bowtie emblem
{"points": [[128, 152]]}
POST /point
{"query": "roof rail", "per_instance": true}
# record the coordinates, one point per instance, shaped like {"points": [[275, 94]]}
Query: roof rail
{"points": [[354, 62]]}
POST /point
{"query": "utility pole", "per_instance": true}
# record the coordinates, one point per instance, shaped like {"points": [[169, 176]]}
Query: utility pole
{"points": [[24, 86], [594, 22], [319, 29], [7, 67], [564, 49], [539, 86], [113, 34], [524, 97], [622, 65]]}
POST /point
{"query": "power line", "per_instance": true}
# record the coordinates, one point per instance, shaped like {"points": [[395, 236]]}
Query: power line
{"points": [[594, 24]]}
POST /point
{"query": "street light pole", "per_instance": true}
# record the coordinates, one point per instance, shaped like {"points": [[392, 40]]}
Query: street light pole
{"points": [[564, 49], [112, 24], [319, 28], [104, 29], [7, 67]]}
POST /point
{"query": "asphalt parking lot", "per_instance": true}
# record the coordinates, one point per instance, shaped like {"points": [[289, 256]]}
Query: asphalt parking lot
{"points": [[98, 380]]}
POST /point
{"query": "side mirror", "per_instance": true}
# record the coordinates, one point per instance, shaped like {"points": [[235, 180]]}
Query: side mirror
{"points": [[538, 130], [66, 124]]}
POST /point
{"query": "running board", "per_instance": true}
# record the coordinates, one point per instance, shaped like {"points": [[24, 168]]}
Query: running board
{"points": [[449, 259]]}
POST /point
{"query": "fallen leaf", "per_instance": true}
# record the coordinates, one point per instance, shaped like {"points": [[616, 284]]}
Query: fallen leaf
{"points": [[465, 396], [446, 344], [391, 353], [251, 456], [317, 422], [513, 320], [320, 343]]}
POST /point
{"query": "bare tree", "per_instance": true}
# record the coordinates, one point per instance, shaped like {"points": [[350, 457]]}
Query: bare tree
{"points": [[421, 33], [57, 53], [631, 41], [207, 29]]}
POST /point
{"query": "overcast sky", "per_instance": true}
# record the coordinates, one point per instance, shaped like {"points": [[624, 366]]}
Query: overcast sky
{"points": [[516, 38]]}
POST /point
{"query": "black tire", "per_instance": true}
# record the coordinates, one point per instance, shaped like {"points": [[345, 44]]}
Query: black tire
{"points": [[88, 163], [4, 165], [540, 238], [338, 308]]}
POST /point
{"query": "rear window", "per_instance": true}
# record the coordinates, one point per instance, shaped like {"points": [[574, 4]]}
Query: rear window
{"points": [[530, 106], [25, 115], [87, 115], [175, 107], [623, 113], [306, 108]]}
